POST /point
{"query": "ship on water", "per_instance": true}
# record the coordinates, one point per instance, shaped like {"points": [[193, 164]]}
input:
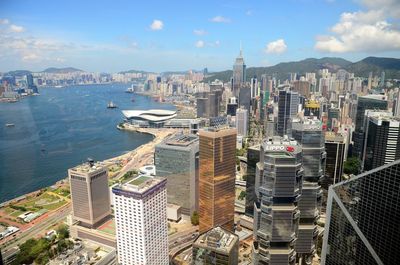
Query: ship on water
{"points": [[130, 89], [111, 105]]}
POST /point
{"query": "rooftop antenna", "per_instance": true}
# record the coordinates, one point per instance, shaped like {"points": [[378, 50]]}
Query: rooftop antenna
{"points": [[241, 49]]}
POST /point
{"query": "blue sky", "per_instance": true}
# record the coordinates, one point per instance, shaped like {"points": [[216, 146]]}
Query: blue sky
{"points": [[119, 35]]}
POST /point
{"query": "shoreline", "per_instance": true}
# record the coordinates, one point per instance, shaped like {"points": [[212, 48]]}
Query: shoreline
{"points": [[135, 158]]}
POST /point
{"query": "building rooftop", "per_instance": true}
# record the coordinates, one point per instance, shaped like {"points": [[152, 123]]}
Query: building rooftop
{"points": [[218, 239], [88, 167], [334, 137], [140, 184], [307, 123], [182, 140]]}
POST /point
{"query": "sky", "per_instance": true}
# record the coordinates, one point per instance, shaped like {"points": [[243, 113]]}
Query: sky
{"points": [[113, 36]]}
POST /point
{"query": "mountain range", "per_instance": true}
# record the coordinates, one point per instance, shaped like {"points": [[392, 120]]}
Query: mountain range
{"points": [[391, 67]]}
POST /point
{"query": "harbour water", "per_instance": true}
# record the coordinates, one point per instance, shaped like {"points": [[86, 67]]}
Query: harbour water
{"points": [[61, 128]]}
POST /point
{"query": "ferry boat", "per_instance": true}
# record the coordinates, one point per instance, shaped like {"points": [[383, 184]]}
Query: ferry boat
{"points": [[10, 124], [130, 89], [111, 105]]}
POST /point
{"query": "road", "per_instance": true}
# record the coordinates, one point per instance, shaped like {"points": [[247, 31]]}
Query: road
{"points": [[40, 227]]}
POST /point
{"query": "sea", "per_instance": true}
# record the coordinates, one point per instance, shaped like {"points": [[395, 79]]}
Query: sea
{"points": [[61, 128]]}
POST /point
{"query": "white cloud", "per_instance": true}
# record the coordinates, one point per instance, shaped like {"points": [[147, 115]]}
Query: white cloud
{"points": [[249, 13], [17, 29], [360, 32], [277, 47], [220, 19], [30, 57], [217, 43], [157, 25], [199, 32], [4, 21], [200, 44], [390, 7]]}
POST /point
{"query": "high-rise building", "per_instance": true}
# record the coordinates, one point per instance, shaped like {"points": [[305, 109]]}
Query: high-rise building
{"points": [[239, 74], [253, 157], [373, 102], [217, 178], [276, 216], [242, 121], [177, 159], [396, 104], [382, 141], [362, 219], [288, 104], [208, 104], [335, 148], [308, 132], [245, 97], [90, 194], [216, 246], [140, 207], [254, 87], [232, 106]]}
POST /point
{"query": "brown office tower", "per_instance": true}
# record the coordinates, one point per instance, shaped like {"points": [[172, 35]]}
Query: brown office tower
{"points": [[217, 178], [90, 194]]}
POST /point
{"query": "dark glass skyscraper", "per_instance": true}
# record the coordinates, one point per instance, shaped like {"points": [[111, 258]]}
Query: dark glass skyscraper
{"points": [[308, 132], [335, 148], [288, 104], [374, 102], [253, 157], [276, 215], [362, 220]]}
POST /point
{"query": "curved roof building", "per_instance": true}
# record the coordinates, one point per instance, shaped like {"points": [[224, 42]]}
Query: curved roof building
{"points": [[152, 115]]}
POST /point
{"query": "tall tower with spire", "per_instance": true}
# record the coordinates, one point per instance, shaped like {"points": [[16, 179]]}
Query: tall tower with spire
{"points": [[239, 73]]}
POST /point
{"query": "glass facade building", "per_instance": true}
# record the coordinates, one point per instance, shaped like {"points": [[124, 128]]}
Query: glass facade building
{"points": [[288, 104], [308, 132], [382, 141], [335, 148], [362, 221], [276, 215], [373, 102], [253, 157], [217, 178], [177, 159]]}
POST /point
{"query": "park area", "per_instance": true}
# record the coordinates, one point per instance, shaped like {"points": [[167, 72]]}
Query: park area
{"points": [[42, 202]]}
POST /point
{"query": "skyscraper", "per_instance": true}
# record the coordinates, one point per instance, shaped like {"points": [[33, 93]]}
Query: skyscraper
{"points": [[382, 141], [141, 221], [242, 121], [373, 102], [239, 74], [177, 159], [362, 219], [89, 193], [276, 216], [288, 104], [308, 132], [217, 178], [216, 246], [335, 155], [253, 157]]}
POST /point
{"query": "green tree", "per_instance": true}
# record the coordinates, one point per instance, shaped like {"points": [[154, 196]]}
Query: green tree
{"points": [[242, 195], [352, 166], [63, 232], [195, 218]]}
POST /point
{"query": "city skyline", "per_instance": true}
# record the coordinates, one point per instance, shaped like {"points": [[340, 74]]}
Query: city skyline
{"points": [[113, 38]]}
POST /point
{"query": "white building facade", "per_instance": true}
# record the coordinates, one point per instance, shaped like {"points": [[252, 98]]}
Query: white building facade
{"points": [[141, 221]]}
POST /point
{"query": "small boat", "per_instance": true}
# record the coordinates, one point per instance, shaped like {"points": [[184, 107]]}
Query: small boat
{"points": [[111, 105], [10, 124], [132, 99]]}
